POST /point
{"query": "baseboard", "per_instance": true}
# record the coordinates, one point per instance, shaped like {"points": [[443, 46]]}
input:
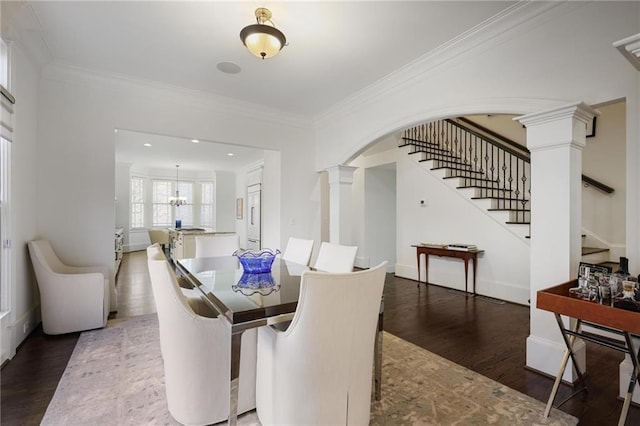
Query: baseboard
{"points": [[135, 247], [545, 356], [454, 278], [24, 325]]}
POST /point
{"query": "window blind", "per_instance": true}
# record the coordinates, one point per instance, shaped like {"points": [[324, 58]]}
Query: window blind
{"points": [[6, 115]]}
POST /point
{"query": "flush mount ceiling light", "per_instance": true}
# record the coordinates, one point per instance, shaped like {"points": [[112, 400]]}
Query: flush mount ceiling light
{"points": [[263, 39]]}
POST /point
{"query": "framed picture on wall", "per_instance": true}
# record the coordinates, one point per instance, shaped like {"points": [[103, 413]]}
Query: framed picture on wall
{"points": [[239, 208]]}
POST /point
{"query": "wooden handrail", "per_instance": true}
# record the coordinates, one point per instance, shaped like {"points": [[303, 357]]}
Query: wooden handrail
{"points": [[526, 153], [597, 184], [504, 139]]}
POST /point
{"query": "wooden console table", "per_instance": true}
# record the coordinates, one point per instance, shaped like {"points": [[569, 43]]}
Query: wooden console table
{"points": [[465, 255], [604, 317]]}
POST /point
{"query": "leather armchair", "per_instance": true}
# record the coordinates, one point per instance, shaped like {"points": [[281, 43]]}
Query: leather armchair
{"points": [[197, 353], [72, 298], [319, 371]]}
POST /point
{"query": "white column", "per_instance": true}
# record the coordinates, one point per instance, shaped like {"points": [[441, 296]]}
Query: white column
{"points": [[556, 139], [340, 204]]}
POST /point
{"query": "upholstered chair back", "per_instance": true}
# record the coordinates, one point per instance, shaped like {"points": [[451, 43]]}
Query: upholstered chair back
{"points": [[319, 371], [336, 258], [298, 250], [159, 236], [196, 352]]}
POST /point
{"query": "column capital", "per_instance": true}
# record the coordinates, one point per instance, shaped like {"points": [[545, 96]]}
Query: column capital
{"points": [[341, 174], [564, 126], [577, 110]]}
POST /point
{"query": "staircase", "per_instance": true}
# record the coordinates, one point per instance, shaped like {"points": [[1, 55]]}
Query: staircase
{"points": [[491, 172]]}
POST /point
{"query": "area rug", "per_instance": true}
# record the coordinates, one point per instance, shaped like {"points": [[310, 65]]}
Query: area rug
{"points": [[115, 377]]}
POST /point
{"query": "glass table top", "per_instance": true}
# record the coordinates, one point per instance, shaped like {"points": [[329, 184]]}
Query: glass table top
{"points": [[244, 297]]}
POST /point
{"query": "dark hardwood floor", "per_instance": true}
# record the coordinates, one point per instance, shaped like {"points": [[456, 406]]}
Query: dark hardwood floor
{"points": [[479, 333]]}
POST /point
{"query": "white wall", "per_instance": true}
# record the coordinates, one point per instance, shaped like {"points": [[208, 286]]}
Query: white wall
{"points": [[374, 206], [25, 206], [225, 201], [122, 201], [380, 207], [603, 215]]}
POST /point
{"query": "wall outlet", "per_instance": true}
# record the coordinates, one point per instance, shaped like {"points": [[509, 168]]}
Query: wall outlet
{"points": [[25, 327]]}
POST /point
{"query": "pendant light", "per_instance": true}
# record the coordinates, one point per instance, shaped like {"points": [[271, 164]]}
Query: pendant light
{"points": [[177, 200], [263, 39]]}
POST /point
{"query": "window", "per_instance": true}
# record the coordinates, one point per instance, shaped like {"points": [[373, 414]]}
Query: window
{"points": [[137, 202], [161, 208], [206, 204], [150, 206]]}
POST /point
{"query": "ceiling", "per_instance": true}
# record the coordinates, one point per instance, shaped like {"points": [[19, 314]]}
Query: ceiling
{"points": [[335, 48], [168, 151]]}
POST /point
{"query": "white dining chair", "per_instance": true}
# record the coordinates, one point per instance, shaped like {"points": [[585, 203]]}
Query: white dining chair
{"points": [[336, 258], [298, 250], [319, 371], [196, 352], [216, 245], [159, 236], [72, 298]]}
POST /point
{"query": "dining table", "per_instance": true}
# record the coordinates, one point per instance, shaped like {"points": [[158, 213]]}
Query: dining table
{"points": [[249, 300]]}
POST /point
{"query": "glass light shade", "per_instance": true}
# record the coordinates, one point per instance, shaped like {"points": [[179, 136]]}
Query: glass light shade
{"points": [[262, 41]]}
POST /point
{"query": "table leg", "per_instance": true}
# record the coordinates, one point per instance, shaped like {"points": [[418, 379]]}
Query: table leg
{"points": [[563, 365], [632, 380], [236, 339], [378, 353], [475, 268], [418, 257], [426, 269], [466, 274]]}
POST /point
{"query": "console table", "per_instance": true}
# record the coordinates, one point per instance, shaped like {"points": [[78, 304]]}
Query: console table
{"points": [[465, 255], [618, 321]]}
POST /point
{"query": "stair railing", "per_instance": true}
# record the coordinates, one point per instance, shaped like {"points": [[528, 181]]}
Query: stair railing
{"points": [[497, 172]]}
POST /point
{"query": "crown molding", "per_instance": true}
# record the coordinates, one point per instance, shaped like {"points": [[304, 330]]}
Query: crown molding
{"points": [[493, 31], [63, 72], [630, 49]]}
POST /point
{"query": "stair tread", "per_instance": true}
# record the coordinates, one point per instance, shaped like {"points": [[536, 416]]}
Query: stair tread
{"points": [[509, 210], [484, 187], [411, 141], [473, 178], [453, 169], [593, 250], [500, 198], [518, 223]]}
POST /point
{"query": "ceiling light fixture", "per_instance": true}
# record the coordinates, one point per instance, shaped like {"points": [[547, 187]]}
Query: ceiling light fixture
{"points": [[263, 39], [195, 141], [177, 200]]}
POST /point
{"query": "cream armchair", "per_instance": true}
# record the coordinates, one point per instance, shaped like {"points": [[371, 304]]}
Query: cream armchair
{"points": [[71, 298], [197, 354], [319, 371]]}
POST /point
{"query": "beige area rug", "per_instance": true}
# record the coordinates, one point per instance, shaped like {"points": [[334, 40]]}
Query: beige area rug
{"points": [[115, 377]]}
